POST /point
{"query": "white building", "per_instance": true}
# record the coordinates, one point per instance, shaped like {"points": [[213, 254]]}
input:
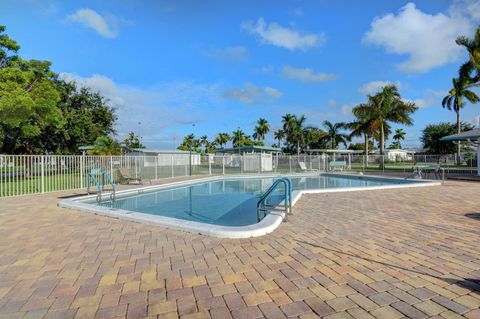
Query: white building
{"points": [[166, 157]]}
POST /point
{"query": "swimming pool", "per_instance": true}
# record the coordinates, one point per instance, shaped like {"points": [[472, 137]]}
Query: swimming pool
{"points": [[221, 203]]}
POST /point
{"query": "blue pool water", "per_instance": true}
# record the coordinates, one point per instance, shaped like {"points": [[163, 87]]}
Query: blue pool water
{"points": [[229, 202]]}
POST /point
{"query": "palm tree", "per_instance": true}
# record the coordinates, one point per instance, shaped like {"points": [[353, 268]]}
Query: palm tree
{"points": [[222, 139], [294, 129], [333, 134], [279, 135], [363, 124], [238, 137], [261, 129], [398, 137], [387, 106], [106, 145], [455, 101], [473, 64], [204, 141]]}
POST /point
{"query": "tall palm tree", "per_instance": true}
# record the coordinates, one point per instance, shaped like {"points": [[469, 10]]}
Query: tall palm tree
{"points": [[333, 134], [238, 137], [295, 131], [204, 142], [261, 129], [222, 139], [279, 135], [398, 137], [455, 100], [388, 106]]}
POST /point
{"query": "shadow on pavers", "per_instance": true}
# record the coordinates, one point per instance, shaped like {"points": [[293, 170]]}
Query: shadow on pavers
{"points": [[469, 283]]}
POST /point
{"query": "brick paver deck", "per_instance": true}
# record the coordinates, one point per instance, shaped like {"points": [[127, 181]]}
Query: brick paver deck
{"points": [[384, 254]]}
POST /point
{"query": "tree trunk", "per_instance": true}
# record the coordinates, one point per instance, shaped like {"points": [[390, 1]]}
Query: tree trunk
{"points": [[366, 143], [382, 140], [366, 149], [458, 132]]}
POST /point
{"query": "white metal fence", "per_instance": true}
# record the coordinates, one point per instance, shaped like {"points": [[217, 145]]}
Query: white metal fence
{"points": [[33, 174]]}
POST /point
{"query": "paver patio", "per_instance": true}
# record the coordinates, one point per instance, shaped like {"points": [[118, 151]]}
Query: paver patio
{"points": [[384, 254]]}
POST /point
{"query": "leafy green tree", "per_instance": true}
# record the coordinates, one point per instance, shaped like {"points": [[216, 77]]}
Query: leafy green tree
{"points": [[315, 138], [28, 104], [27, 98], [132, 141], [432, 134], [40, 113], [388, 107], [261, 129], [361, 146], [88, 116], [8, 48], [106, 145], [334, 134], [455, 100]]}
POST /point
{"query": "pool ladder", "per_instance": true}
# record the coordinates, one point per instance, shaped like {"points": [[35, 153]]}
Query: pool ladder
{"points": [[104, 177], [262, 204], [421, 171]]}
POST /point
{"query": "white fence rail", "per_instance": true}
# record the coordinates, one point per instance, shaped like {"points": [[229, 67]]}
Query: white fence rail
{"points": [[34, 174]]}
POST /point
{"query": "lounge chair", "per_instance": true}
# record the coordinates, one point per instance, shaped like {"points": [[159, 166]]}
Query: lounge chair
{"points": [[125, 175], [337, 165], [304, 168]]}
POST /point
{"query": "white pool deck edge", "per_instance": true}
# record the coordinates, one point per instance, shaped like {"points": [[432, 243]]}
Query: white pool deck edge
{"points": [[268, 224]]}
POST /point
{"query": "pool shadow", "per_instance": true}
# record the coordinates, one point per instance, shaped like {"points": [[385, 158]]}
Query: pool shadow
{"points": [[467, 283], [475, 216], [74, 195]]}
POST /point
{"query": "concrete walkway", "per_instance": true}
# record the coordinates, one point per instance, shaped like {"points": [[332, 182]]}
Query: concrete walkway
{"points": [[372, 254]]}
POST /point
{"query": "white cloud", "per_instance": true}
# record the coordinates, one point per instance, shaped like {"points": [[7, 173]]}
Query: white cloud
{"points": [[344, 109], [374, 87], [232, 54], [266, 69], [251, 94], [277, 35], [159, 107], [306, 74], [430, 97], [105, 25], [427, 39]]}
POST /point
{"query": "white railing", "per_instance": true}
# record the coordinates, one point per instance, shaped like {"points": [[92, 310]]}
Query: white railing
{"points": [[35, 174]]}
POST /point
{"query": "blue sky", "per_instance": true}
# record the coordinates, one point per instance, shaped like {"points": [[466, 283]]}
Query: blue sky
{"points": [[223, 64]]}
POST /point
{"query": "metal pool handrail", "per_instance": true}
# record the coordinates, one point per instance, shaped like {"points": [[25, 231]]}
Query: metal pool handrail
{"points": [[418, 171], [262, 205], [103, 176]]}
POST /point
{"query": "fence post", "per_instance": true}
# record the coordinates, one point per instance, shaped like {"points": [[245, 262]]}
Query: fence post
{"points": [[82, 165], [223, 165], [111, 168], [209, 165], [260, 163], [156, 167], [171, 164], [290, 162], [42, 163], [383, 163]]}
